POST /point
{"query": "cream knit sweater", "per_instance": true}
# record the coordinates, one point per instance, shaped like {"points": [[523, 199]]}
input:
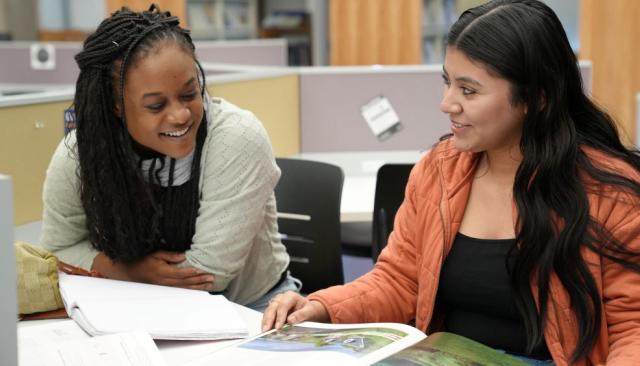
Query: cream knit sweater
{"points": [[236, 236]]}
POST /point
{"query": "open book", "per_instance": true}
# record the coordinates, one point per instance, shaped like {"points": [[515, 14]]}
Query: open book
{"points": [[385, 344], [102, 306]]}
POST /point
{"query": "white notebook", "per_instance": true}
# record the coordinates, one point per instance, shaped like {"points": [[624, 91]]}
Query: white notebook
{"points": [[102, 306]]}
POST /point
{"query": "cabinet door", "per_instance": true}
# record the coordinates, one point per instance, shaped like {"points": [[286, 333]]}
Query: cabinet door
{"points": [[364, 32], [30, 136]]}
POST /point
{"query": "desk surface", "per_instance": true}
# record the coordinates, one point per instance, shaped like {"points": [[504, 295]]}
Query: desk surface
{"points": [[360, 169], [174, 352]]}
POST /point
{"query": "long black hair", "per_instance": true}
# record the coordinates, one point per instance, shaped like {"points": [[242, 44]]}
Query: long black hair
{"points": [[125, 216], [523, 42]]}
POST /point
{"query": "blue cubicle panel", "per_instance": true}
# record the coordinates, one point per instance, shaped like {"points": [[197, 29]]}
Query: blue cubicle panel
{"points": [[331, 99], [9, 303]]}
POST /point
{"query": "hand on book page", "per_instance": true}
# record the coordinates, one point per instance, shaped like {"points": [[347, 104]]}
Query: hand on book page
{"points": [[318, 344], [447, 349], [292, 308]]}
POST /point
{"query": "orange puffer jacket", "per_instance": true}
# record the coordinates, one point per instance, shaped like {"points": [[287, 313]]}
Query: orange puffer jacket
{"points": [[403, 285]]}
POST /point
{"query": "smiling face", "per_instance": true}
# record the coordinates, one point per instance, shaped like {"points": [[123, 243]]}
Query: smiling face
{"points": [[479, 104], [162, 100]]}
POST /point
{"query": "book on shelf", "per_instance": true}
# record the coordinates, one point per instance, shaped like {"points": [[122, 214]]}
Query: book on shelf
{"points": [[381, 344], [103, 306]]}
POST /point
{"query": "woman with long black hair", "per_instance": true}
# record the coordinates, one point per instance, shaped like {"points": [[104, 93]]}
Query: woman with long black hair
{"points": [[160, 183], [521, 229]]}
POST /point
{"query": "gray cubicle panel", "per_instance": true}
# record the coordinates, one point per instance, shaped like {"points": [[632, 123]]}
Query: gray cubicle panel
{"points": [[331, 99], [260, 52], [9, 303], [16, 64], [16, 58]]}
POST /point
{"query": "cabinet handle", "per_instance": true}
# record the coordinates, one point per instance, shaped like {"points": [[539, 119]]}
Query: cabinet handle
{"points": [[39, 125]]}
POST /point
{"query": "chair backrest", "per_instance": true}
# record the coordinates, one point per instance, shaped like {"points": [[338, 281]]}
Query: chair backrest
{"points": [[390, 185], [308, 196]]}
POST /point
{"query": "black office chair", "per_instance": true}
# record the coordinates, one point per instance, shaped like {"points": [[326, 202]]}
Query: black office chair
{"points": [[390, 185], [308, 198]]}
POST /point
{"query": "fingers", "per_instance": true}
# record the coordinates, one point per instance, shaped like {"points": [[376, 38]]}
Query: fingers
{"points": [[208, 286], [312, 310], [184, 277], [279, 307], [171, 257]]}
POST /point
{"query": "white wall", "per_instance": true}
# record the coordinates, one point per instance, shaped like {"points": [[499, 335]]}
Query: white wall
{"points": [[83, 15], [86, 15], [569, 14], [52, 15]]}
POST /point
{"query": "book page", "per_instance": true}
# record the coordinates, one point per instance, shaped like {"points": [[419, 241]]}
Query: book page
{"points": [[102, 306], [449, 349], [65, 344], [318, 344], [33, 340]]}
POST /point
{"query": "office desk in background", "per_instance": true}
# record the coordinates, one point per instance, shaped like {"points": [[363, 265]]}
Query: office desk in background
{"points": [[173, 352], [360, 169]]}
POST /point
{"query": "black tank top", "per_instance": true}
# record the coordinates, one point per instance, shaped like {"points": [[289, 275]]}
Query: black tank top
{"points": [[476, 296]]}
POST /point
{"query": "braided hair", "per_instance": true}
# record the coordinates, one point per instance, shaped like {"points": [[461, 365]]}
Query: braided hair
{"points": [[127, 216]]}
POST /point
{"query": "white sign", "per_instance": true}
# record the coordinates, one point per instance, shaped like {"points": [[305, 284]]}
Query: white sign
{"points": [[43, 56], [381, 117]]}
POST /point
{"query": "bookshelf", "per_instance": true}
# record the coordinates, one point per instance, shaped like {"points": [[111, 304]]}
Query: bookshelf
{"points": [[222, 19]]}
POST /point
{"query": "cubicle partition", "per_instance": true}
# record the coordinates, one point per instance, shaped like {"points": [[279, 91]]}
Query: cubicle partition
{"points": [[17, 74], [259, 52], [17, 69], [8, 305], [331, 99], [272, 94], [31, 126]]}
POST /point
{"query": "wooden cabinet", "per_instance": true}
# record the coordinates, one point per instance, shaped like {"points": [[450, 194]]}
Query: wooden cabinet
{"points": [[30, 136], [222, 19], [609, 37], [363, 32]]}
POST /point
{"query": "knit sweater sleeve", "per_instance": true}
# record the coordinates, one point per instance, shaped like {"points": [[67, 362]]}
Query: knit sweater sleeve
{"points": [[238, 175], [64, 231]]}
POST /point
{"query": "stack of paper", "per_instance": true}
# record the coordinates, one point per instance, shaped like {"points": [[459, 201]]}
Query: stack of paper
{"points": [[102, 306], [64, 344]]}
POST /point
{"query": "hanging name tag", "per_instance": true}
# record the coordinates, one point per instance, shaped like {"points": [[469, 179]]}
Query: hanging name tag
{"points": [[69, 120], [381, 117]]}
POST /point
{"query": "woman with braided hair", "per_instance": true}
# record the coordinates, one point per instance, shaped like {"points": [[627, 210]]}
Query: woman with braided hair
{"points": [[160, 183]]}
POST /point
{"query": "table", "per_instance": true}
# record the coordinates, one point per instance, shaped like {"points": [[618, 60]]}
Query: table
{"points": [[178, 352]]}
